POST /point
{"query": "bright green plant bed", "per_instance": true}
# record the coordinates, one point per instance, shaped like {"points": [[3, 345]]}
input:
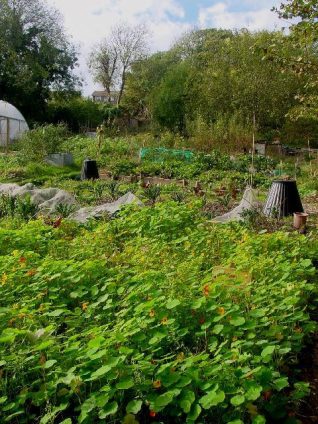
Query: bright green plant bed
{"points": [[156, 316]]}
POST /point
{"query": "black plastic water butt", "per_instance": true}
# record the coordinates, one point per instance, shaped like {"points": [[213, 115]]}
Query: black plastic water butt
{"points": [[89, 170], [283, 199]]}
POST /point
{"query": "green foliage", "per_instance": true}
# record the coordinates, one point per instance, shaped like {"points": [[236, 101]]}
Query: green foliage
{"points": [[162, 154], [228, 133], [301, 126], [21, 207], [169, 99], [112, 188], [299, 53], [78, 113], [36, 144], [212, 83], [123, 167], [178, 196], [152, 193], [144, 76], [64, 210], [154, 314], [26, 208], [35, 55], [8, 205]]}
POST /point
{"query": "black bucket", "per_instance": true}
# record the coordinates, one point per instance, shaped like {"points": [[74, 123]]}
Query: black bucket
{"points": [[89, 170], [283, 199]]}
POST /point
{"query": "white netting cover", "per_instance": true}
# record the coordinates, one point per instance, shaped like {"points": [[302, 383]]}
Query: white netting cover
{"points": [[49, 198], [84, 214], [46, 199], [249, 202], [12, 123]]}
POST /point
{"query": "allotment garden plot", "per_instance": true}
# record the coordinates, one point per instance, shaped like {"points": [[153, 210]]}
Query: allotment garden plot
{"points": [[158, 315]]}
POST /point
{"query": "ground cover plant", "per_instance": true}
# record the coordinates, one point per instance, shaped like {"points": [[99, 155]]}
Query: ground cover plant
{"points": [[157, 316]]}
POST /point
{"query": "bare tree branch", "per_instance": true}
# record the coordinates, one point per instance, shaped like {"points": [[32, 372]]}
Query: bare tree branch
{"points": [[112, 58]]}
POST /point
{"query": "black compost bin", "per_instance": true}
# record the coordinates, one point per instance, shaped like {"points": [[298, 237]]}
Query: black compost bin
{"points": [[89, 170], [283, 199]]}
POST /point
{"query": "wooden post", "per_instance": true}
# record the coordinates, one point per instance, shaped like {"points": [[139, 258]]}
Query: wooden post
{"points": [[309, 154], [253, 151], [8, 136]]}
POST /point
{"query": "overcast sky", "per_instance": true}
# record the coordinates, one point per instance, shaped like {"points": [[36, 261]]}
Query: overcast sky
{"points": [[88, 21]]}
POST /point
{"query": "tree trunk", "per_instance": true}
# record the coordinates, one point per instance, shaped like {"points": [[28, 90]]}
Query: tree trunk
{"points": [[122, 86]]}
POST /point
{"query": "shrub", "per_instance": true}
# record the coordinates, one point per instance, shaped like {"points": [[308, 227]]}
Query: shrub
{"points": [[228, 133], [123, 167], [79, 113], [36, 144]]}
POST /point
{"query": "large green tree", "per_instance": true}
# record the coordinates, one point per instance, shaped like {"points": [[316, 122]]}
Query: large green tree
{"points": [[170, 98], [234, 78], [212, 74], [142, 80], [36, 55], [111, 60], [302, 16]]}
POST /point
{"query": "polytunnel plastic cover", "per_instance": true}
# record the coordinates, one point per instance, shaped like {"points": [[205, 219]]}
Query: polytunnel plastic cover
{"points": [[12, 123]]}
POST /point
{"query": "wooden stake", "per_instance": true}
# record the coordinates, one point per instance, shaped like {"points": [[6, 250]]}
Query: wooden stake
{"points": [[8, 136], [253, 150]]}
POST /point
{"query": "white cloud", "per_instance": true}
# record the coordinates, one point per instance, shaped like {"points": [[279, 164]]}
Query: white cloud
{"points": [[89, 21], [220, 16]]}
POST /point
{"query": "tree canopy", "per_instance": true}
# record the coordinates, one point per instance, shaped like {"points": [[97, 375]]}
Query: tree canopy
{"points": [[113, 57], [212, 75], [36, 55], [303, 18]]}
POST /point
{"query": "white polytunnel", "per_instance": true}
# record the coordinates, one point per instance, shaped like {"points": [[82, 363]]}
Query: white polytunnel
{"points": [[12, 123]]}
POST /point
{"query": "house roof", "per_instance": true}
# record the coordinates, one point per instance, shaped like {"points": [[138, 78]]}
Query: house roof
{"points": [[104, 93]]}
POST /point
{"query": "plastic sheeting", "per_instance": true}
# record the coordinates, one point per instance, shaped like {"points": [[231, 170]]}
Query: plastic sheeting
{"points": [[12, 123], [248, 202]]}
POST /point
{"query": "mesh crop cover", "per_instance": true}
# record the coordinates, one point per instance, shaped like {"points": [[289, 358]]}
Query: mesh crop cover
{"points": [[12, 123], [249, 202]]}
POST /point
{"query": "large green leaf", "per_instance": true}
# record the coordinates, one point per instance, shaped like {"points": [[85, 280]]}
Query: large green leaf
{"points": [[237, 321], [50, 416], [281, 383], [125, 384], [109, 409], [164, 399], [268, 350], [134, 406], [100, 372], [186, 400], [237, 400], [194, 413], [254, 392], [259, 419], [213, 398], [50, 363], [86, 408], [172, 303]]}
